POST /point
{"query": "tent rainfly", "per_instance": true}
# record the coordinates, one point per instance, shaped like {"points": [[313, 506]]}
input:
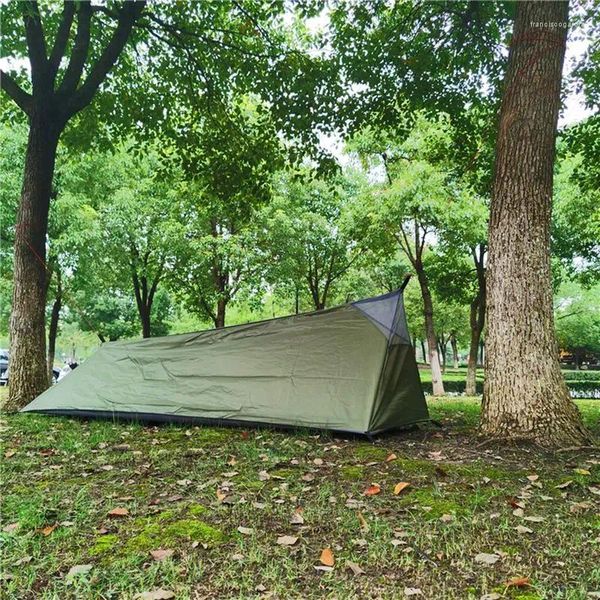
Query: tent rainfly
{"points": [[349, 368]]}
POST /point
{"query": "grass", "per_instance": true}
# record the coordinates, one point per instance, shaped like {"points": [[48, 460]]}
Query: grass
{"points": [[189, 490]]}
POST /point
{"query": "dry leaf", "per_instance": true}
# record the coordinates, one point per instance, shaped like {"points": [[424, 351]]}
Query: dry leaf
{"points": [[399, 487], [297, 518], [486, 559], [533, 478], [582, 471], [161, 554], [155, 595], [522, 529], [48, 530], [263, 476], [118, 512], [562, 486], [10, 527], [221, 495], [535, 519], [356, 570], [372, 490], [390, 458], [323, 568], [287, 540], [327, 558], [518, 582], [518, 512], [308, 477], [408, 591], [363, 522], [446, 518], [245, 530], [78, 570], [318, 461], [9, 453]]}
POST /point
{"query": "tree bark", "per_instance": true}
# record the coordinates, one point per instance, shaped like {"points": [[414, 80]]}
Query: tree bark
{"points": [[423, 351], [434, 357], [454, 345], [476, 320], [525, 396], [220, 316], [53, 329], [28, 364]]}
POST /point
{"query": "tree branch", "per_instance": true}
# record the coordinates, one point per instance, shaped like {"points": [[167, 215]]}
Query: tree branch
{"points": [[62, 37], [21, 98], [36, 43], [80, 51], [128, 14]]}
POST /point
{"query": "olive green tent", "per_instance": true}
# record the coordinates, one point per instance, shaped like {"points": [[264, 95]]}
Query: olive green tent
{"points": [[349, 368]]}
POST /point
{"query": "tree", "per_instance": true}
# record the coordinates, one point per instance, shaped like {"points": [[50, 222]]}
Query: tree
{"points": [[78, 53], [312, 238], [49, 107], [229, 161], [525, 395], [577, 316]]}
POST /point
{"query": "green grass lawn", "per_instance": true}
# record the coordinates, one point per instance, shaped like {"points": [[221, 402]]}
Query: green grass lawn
{"points": [[188, 490]]}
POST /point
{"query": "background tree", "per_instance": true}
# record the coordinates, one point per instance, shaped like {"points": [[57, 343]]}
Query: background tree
{"points": [[312, 236], [205, 50], [525, 395], [229, 162]]}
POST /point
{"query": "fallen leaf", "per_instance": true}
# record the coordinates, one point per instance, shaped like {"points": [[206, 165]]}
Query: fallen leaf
{"points": [[9, 453], [318, 461], [308, 477], [221, 495], [534, 519], [263, 476], [356, 570], [327, 558], [155, 595], [447, 518], [260, 588], [287, 540], [533, 477], [577, 507], [184, 482], [48, 530], [409, 591], [160, 555], [390, 458], [78, 570], [363, 522], [175, 498], [399, 487], [297, 518], [245, 530], [372, 490], [492, 596], [562, 486], [522, 529], [10, 527], [323, 568], [237, 556], [23, 561], [518, 582], [486, 559], [118, 512], [518, 512], [581, 471]]}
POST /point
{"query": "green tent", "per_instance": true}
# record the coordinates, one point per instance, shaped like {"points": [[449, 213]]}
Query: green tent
{"points": [[349, 368]]}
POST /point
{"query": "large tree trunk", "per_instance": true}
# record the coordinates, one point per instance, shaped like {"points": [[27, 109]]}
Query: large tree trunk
{"points": [[434, 357], [220, 316], [28, 366], [525, 395], [53, 329], [145, 320]]}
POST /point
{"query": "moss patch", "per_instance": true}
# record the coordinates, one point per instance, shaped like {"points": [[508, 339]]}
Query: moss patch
{"points": [[104, 544], [369, 452], [353, 473], [155, 535], [197, 510]]}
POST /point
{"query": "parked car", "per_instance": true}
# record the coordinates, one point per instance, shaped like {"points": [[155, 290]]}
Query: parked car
{"points": [[3, 366], [4, 356]]}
